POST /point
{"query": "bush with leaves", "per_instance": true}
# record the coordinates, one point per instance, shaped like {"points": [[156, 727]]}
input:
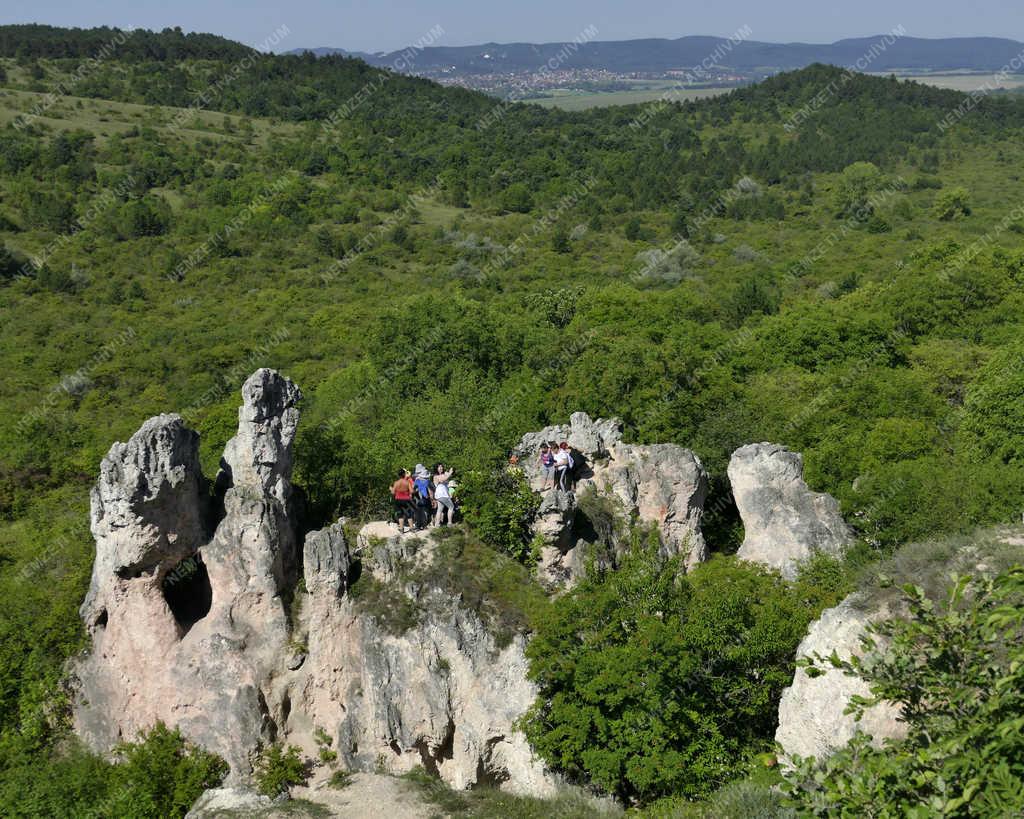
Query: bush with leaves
{"points": [[279, 768], [956, 669], [853, 195], [653, 683], [951, 204], [500, 506]]}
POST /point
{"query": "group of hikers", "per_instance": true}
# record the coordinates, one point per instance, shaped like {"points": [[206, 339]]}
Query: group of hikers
{"points": [[424, 498]]}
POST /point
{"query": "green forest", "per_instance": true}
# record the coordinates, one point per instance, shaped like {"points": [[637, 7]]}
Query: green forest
{"points": [[442, 272]]}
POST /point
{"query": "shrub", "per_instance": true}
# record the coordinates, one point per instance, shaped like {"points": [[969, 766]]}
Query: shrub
{"points": [[952, 204], [500, 506], [957, 671], [280, 768], [653, 684], [162, 775], [852, 195]]}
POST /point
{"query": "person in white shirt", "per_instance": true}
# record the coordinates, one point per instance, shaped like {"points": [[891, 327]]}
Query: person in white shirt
{"points": [[442, 494], [563, 463]]}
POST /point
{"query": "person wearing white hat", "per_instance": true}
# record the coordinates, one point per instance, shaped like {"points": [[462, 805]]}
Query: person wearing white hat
{"points": [[424, 496]]}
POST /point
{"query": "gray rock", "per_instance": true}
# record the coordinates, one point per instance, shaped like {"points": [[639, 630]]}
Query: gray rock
{"points": [[228, 667], [146, 510], [326, 561], [205, 664], [811, 718], [594, 439], [217, 802], [784, 521], [259, 457], [661, 484], [443, 694]]}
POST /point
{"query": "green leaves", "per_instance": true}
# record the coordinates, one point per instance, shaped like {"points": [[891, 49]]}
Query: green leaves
{"points": [[654, 684], [955, 668]]}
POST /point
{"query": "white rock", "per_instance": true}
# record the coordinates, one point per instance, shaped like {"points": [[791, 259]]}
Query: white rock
{"points": [[811, 718], [784, 521]]}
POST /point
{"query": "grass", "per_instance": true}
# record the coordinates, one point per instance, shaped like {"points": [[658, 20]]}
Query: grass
{"points": [[743, 799], [503, 592], [340, 779], [930, 564], [490, 803]]}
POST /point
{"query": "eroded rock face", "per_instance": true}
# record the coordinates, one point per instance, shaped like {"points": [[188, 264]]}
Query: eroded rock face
{"points": [[188, 626], [784, 521], [440, 693], [662, 484], [811, 718], [146, 508], [189, 615]]}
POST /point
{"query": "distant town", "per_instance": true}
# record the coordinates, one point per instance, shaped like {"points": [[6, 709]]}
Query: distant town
{"points": [[534, 84]]}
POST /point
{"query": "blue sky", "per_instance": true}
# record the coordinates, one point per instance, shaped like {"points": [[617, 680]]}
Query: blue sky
{"points": [[373, 25]]}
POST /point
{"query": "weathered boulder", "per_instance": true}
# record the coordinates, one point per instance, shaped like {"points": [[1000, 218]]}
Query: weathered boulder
{"points": [[218, 802], [259, 456], [811, 718], [662, 484], [784, 521]]}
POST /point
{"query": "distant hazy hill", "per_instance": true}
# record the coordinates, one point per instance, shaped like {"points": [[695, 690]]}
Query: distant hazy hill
{"points": [[975, 53]]}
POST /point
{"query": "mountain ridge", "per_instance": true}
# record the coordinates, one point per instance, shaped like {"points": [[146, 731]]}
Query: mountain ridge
{"points": [[916, 53]]}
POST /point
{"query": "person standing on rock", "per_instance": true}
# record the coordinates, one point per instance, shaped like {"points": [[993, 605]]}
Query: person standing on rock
{"points": [[401, 491], [547, 467], [424, 493], [563, 465], [442, 494]]}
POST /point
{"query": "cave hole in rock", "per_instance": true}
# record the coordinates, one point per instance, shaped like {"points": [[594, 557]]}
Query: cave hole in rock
{"points": [[188, 592], [488, 774]]}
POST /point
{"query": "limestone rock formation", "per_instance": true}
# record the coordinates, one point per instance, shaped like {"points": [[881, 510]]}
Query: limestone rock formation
{"points": [[193, 620], [783, 520], [662, 484], [188, 625], [811, 718], [440, 692], [145, 508]]}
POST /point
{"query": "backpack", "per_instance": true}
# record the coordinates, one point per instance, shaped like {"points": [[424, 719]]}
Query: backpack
{"points": [[422, 487]]}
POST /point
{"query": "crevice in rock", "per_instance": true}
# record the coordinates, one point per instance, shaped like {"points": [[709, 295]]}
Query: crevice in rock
{"points": [[188, 592], [101, 620], [286, 708]]}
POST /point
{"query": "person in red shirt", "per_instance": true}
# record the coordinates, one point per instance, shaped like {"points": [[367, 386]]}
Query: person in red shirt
{"points": [[401, 491]]}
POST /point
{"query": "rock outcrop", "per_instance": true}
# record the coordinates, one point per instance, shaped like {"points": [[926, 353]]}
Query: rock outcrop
{"points": [[188, 620], [784, 521], [440, 691], [661, 484], [197, 619], [811, 718]]}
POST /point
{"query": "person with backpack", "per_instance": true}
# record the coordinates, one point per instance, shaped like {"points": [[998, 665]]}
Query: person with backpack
{"points": [[401, 491], [424, 496], [442, 494], [563, 465]]}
